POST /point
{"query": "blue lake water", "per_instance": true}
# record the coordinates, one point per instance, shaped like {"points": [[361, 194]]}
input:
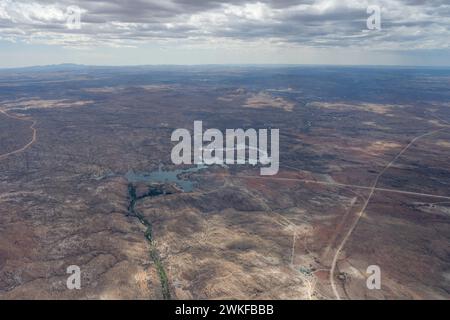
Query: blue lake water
{"points": [[161, 176]]}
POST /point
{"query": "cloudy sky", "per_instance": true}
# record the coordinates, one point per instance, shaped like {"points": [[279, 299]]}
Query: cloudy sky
{"points": [[413, 32]]}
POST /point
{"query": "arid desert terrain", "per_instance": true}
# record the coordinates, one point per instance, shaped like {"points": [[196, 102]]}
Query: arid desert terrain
{"points": [[364, 180]]}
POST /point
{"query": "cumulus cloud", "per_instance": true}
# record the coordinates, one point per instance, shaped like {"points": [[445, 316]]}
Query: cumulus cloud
{"points": [[406, 24]]}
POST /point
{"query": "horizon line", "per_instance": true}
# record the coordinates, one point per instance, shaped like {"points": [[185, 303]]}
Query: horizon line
{"points": [[67, 64]]}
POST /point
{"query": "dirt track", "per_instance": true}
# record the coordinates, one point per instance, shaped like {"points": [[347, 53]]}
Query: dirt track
{"points": [[33, 139]]}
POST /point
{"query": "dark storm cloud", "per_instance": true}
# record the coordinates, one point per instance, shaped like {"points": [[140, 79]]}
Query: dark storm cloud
{"points": [[336, 23]]}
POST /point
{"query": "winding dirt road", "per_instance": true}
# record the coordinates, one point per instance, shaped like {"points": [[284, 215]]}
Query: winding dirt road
{"points": [[361, 212], [33, 139]]}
